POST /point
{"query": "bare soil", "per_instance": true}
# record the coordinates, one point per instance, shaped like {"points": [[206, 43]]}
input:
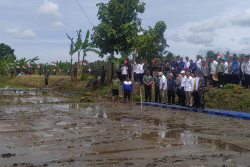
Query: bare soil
{"points": [[51, 130]]}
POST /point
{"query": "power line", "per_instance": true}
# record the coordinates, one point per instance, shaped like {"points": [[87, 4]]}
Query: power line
{"points": [[84, 13]]}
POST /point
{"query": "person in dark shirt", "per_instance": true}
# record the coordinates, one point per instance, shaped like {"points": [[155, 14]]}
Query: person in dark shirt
{"points": [[157, 87], [171, 88], [192, 67]]}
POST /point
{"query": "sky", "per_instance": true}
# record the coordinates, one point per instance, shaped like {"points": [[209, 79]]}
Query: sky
{"points": [[38, 27]]}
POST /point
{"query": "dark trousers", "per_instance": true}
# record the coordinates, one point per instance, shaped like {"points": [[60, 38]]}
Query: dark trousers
{"points": [[182, 97], [235, 79], [196, 98], [157, 93], [214, 83], [124, 77], [140, 77], [206, 80], [178, 92], [137, 77], [226, 79], [247, 80], [220, 79], [148, 89], [171, 97]]}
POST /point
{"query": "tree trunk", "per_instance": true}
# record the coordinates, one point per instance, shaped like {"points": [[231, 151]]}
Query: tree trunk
{"points": [[134, 55], [71, 72], [78, 63], [111, 66]]}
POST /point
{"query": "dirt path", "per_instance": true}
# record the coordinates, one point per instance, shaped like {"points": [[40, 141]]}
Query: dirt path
{"points": [[57, 133]]}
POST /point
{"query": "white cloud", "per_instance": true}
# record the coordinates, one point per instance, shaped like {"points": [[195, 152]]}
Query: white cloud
{"points": [[201, 38], [50, 9], [208, 25], [242, 19], [26, 34], [57, 24], [176, 37], [245, 41]]}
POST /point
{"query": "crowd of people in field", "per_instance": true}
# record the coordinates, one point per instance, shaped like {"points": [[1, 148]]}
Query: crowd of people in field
{"points": [[187, 79]]}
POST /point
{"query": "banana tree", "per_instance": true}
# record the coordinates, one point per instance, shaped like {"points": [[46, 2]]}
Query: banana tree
{"points": [[88, 47]]}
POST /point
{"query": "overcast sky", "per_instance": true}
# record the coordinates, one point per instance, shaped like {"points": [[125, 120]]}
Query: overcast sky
{"points": [[39, 27]]}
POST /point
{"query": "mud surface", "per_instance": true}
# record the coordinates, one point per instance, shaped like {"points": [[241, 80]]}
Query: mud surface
{"points": [[48, 130]]}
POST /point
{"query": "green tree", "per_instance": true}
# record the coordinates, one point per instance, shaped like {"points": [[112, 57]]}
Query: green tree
{"points": [[7, 52], [72, 50], [211, 54], [119, 24], [154, 42]]}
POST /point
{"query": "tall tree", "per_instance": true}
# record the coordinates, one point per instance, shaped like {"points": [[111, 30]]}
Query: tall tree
{"points": [[154, 41], [119, 23]]}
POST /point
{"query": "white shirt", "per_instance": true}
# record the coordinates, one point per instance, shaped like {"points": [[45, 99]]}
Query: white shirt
{"points": [[226, 67], [163, 80], [189, 84], [198, 64], [124, 70], [187, 64], [213, 66], [141, 71], [137, 66], [247, 67], [196, 84], [183, 80]]}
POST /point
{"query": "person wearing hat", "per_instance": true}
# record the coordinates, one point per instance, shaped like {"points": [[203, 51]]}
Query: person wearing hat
{"points": [[181, 92], [163, 87], [115, 87], [220, 71], [171, 88], [235, 70], [148, 82], [246, 71], [156, 82]]}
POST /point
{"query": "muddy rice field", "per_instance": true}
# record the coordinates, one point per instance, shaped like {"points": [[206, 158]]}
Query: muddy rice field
{"points": [[50, 130]]}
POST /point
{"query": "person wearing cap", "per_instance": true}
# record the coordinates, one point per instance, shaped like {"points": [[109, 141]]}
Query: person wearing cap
{"points": [[182, 91], [220, 70], [171, 88], [156, 82], [246, 71], [163, 87], [148, 82], [205, 71], [235, 70], [124, 71], [189, 90], [115, 87]]}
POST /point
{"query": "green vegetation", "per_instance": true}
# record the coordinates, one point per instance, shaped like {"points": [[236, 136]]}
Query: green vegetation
{"points": [[230, 97]]}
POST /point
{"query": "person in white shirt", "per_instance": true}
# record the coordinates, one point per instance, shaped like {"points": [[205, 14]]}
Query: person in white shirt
{"points": [[182, 92], [141, 71], [198, 62], [189, 90], [226, 73], [213, 65], [137, 72], [187, 63], [124, 71], [246, 72], [163, 87]]}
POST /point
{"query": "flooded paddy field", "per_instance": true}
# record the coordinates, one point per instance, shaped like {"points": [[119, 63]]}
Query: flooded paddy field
{"points": [[39, 129]]}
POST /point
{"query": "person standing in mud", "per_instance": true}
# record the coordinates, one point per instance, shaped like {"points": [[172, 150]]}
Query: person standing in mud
{"points": [[156, 82], [148, 82], [47, 77], [127, 88], [115, 87]]}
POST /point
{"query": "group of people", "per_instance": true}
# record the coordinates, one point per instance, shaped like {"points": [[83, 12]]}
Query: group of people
{"points": [[188, 79]]}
